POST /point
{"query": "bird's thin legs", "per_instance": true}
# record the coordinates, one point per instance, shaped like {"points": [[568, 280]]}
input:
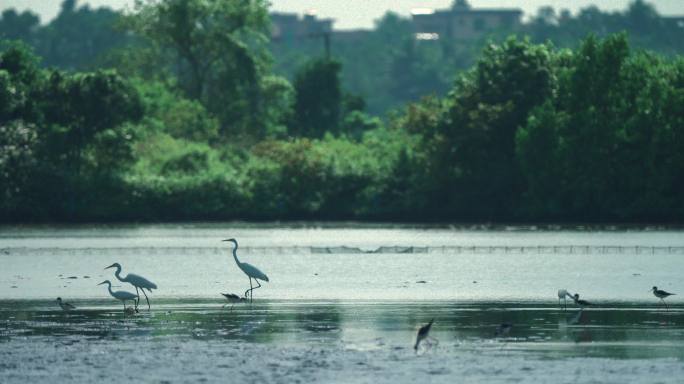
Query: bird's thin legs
{"points": [[252, 293], [666, 308], [146, 299], [249, 291], [137, 301], [252, 288]]}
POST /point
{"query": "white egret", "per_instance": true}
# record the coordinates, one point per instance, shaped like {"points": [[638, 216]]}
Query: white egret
{"points": [[137, 281], [64, 305], [120, 295], [251, 271], [659, 293], [423, 333], [563, 294], [581, 303]]}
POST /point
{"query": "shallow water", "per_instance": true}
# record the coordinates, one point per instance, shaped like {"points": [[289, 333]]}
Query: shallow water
{"points": [[342, 305]]}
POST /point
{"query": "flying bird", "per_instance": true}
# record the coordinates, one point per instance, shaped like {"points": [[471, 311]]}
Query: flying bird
{"points": [[251, 271], [64, 305], [423, 333], [137, 281]]}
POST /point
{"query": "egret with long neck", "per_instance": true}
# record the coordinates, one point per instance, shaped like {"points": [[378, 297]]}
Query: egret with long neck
{"points": [[251, 271], [120, 295], [135, 280]]}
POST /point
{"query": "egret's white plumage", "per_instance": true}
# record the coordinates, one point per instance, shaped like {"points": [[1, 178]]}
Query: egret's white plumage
{"points": [[64, 305], [123, 296], [563, 294], [251, 271], [137, 281]]}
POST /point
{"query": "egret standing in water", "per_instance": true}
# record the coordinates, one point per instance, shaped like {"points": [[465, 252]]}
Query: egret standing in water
{"points": [[64, 305], [659, 293], [251, 271], [120, 295], [563, 294], [136, 281]]}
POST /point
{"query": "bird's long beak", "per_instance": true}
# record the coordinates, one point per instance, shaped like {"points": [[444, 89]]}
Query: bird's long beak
{"points": [[111, 266], [231, 239], [104, 282]]}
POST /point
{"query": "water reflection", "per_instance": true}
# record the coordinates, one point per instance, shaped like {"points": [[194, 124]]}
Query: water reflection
{"points": [[621, 331]]}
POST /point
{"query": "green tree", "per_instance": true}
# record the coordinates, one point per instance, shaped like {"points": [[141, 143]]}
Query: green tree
{"points": [[216, 49], [472, 150], [318, 99], [18, 26]]}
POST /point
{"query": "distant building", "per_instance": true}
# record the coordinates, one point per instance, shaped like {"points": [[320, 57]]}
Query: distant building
{"points": [[462, 22], [290, 27]]}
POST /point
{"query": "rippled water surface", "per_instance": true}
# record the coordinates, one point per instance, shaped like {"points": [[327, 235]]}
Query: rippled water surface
{"points": [[343, 305]]}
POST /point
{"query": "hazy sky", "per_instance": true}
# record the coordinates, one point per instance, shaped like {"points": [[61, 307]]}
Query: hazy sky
{"points": [[361, 13]]}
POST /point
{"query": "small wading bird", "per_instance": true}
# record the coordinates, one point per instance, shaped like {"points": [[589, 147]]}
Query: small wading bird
{"points": [[659, 293], [581, 303], [120, 295], [137, 281], [232, 299], [251, 271], [423, 333], [64, 305], [563, 294]]}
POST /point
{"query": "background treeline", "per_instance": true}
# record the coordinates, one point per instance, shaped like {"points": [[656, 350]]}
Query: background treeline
{"points": [[177, 112]]}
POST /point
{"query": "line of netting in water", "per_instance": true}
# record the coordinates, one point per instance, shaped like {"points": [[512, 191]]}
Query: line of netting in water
{"points": [[395, 249]]}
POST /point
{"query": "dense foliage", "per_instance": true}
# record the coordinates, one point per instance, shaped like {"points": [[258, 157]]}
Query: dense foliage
{"points": [[190, 122]]}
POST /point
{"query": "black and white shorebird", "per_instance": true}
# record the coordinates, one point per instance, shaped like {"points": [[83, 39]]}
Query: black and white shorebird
{"points": [[64, 305], [233, 299], [581, 303], [563, 294], [423, 333], [659, 293]]}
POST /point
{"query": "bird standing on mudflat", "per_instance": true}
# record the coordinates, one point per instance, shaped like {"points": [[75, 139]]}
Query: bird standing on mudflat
{"points": [[233, 299], [659, 293], [251, 271], [423, 333], [137, 281], [563, 294], [64, 305], [120, 295]]}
